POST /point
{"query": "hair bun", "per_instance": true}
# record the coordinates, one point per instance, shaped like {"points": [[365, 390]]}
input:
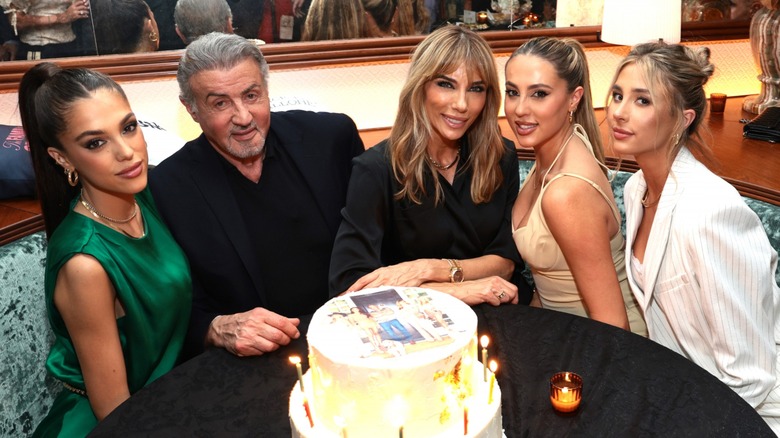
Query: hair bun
{"points": [[701, 56]]}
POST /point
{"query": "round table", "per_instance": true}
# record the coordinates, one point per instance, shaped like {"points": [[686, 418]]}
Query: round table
{"points": [[632, 387]]}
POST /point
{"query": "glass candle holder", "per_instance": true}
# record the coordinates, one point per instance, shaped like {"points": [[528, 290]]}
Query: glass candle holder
{"points": [[565, 391], [482, 17], [717, 102]]}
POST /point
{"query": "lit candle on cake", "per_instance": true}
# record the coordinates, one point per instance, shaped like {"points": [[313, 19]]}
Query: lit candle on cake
{"points": [[465, 420], [395, 412], [297, 361], [308, 412], [484, 341], [493, 368], [342, 425]]}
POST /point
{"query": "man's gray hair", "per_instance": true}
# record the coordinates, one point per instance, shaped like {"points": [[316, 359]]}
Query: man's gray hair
{"points": [[195, 18], [215, 51]]}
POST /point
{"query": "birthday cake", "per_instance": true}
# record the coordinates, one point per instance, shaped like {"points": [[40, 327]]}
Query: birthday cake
{"points": [[395, 362]]}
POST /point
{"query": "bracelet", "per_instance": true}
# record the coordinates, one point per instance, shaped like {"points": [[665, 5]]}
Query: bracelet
{"points": [[456, 272]]}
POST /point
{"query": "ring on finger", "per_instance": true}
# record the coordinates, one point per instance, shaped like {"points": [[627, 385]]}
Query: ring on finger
{"points": [[501, 295]]}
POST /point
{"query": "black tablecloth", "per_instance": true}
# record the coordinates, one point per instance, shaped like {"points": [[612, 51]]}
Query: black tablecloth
{"points": [[632, 387]]}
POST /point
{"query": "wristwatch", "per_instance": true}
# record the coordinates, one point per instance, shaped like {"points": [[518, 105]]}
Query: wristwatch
{"points": [[456, 272]]}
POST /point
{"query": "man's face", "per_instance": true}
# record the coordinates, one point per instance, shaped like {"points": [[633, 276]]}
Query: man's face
{"points": [[233, 109]]}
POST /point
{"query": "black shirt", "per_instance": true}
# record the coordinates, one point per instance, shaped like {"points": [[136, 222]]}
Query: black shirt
{"points": [[290, 238], [377, 230]]}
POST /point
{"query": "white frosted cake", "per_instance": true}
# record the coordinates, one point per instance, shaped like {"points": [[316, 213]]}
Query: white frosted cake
{"points": [[391, 362]]}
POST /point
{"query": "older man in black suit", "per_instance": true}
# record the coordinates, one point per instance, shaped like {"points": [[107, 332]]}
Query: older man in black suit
{"points": [[254, 201]]}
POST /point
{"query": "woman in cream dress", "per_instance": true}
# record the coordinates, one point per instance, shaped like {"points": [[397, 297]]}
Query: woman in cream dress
{"points": [[565, 221]]}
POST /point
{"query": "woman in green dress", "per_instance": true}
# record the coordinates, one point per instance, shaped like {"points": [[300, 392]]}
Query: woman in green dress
{"points": [[117, 285]]}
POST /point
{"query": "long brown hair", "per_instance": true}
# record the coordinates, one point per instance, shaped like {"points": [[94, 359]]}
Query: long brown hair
{"points": [[333, 20], [443, 51]]}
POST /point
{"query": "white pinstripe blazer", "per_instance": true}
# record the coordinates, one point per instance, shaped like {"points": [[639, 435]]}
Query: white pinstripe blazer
{"points": [[709, 291]]}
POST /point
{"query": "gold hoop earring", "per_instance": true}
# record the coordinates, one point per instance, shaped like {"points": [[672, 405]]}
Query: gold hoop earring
{"points": [[73, 177], [571, 116], [153, 37]]}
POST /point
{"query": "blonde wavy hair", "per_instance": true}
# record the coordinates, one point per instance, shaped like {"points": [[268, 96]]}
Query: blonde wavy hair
{"points": [[442, 52]]}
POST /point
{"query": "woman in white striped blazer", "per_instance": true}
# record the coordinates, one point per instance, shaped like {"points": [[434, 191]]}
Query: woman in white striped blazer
{"points": [[698, 259]]}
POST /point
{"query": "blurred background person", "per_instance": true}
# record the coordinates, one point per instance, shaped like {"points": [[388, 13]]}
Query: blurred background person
{"points": [[380, 17], [9, 41], [413, 18], [45, 27], [334, 20], [163, 15], [195, 18], [272, 21], [125, 26]]}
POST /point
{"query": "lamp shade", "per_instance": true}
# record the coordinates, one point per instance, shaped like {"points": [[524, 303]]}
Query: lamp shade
{"points": [[629, 22]]}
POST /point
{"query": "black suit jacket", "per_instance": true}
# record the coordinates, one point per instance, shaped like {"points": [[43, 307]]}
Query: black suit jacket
{"points": [[192, 193]]}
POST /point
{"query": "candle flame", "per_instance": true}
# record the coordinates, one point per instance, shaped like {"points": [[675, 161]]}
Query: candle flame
{"points": [[295, 360], [493, 366], [566, 377], [396, 411], [565, 389], [484, 341]]}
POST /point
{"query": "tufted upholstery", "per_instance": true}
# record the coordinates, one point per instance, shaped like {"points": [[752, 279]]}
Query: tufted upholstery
{"points": [[768, 213], [26, 391]]}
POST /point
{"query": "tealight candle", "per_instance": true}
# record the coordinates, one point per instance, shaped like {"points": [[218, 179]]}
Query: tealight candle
{"points": [[717, 102], [297, 361], [482, 17], [484, 341], [565, 391]]}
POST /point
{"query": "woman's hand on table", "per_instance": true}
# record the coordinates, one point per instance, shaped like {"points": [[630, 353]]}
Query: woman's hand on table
{"points": [[410, 274], [252, 333], [493, 290]]}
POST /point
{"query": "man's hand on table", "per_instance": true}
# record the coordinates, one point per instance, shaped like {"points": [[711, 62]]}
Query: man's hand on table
{"points": [[252, 333]]}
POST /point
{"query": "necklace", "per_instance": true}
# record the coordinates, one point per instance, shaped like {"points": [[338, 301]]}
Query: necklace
{"points": [[440, 166], [541, 176], [91, 208], [646, 204]]}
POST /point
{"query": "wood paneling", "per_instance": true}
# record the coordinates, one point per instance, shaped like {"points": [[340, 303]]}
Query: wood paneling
{"points": [[157, 65], [752, 166]]}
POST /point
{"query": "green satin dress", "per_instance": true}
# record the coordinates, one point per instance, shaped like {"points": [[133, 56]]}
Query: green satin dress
{"points": [[152, 280]]}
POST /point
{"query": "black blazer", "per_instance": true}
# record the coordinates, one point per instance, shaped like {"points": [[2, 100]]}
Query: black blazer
{"points": [[192, 194]]}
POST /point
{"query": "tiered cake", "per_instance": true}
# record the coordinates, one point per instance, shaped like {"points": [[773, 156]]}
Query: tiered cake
{"points": [[392, 362]]}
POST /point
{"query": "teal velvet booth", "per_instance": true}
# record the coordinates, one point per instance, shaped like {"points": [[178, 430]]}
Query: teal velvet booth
{"points": [[26, 391]]}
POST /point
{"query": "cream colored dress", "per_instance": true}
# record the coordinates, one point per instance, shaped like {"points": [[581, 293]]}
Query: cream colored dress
{"points": [[552, 277]]}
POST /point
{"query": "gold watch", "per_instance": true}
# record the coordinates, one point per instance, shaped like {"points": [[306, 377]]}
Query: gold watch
{"points": [[456, 272]]}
